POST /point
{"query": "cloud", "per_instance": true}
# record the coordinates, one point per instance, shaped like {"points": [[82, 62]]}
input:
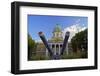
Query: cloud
{"points": [[38, 41], [78, 21], [73, 29]]}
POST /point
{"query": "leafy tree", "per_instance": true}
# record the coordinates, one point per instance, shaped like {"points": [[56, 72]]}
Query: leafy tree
{"points": [[79, 41], [31, 46]]}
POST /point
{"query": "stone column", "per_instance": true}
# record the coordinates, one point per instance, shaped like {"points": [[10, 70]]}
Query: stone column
{"points": [[67, 48], [46, 52], [51, 46], [54, 49]]}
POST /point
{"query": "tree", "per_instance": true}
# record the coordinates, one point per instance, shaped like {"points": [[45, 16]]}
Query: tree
{"points": [[79, 41], [31, 46]]}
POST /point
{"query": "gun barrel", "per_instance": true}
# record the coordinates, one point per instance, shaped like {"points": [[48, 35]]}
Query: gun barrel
{"points": [[45, 42], [65, 42]]}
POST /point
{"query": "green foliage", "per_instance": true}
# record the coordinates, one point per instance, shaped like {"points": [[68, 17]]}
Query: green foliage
{"points": [[31, 43], [31, 46], [73, 55], [39, 57], [79, 41]]}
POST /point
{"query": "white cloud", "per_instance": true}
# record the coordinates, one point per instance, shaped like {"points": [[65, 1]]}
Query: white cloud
{"points": [[73, 29], [78, 21], [38, 41]]}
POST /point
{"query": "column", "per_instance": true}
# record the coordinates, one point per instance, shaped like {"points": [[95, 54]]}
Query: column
{"points": [[67, 48], [54, 49], [51, 46], [46, 52]]}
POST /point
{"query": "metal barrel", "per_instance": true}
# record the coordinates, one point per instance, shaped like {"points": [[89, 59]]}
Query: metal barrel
{"points": [[45, 43], [65, 42]]}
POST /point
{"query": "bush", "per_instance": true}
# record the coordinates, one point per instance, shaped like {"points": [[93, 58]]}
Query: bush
{"points": [[74, 55], [39, 57]]}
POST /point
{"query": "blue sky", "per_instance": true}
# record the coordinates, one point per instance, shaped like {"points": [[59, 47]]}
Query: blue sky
{"points": [[47, 23]]}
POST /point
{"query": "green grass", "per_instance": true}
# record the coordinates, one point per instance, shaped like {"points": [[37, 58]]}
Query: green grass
{"points": [[39, 57], [71, 55]]}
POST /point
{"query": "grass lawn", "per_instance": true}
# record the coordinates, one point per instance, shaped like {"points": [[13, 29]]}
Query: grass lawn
{"points": [[71, 55]]}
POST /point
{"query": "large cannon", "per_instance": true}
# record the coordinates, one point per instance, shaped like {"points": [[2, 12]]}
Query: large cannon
{"points": [[52, 56]]}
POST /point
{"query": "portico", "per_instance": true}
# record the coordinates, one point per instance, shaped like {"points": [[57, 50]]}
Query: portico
{"points": [[56, 47], [56, 42]]}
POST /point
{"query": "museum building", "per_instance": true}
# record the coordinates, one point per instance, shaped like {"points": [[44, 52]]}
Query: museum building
{"points": [[56, 42]]}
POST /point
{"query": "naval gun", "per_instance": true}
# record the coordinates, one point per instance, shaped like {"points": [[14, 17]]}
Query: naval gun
{"points": [[52, 55]]}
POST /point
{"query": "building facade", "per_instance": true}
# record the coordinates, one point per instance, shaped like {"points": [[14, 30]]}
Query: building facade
{"points": [[56, 41]]}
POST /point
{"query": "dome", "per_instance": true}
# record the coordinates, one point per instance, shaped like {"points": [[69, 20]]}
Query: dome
{"points": [[57, 28]]}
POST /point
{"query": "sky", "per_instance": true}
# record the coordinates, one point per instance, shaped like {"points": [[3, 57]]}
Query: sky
{"points": [[46, 24]]}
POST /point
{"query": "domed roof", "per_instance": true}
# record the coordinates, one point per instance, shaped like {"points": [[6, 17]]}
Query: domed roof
{"points": [[57, 28]]}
